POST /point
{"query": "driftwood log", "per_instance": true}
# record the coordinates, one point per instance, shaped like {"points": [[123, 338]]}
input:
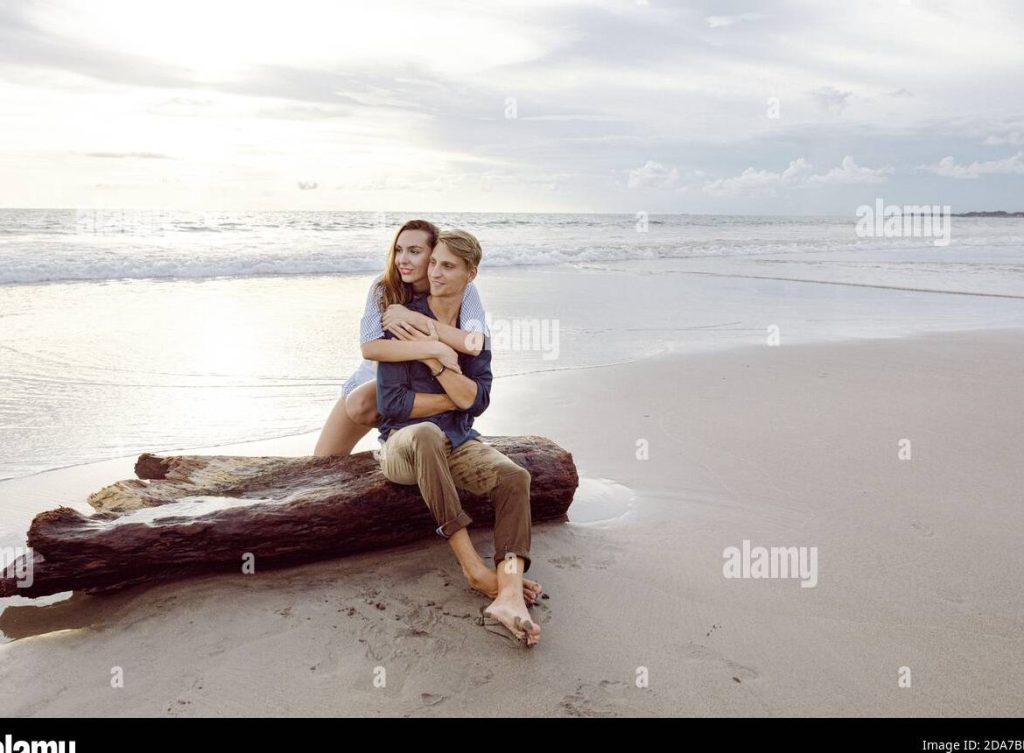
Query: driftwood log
{"points": [[217, 511]]}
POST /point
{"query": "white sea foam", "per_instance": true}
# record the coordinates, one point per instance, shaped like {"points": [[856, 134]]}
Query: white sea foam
{"points": [[39, 246]]}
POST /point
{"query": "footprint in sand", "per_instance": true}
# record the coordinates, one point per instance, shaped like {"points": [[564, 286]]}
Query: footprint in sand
{"points": [[569, 562], [700, 653], [540, 613], [574, 562], [925, 530], [605, 698], [181, 706]]}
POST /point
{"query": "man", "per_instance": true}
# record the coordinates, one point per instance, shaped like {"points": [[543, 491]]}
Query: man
{"points": [[442, 453]]}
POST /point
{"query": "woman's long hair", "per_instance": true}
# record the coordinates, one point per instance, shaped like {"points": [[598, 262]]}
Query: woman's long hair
{"points": [[391, 289]]}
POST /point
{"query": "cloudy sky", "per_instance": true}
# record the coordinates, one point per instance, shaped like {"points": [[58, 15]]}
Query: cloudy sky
{"points": [[619, 106]]}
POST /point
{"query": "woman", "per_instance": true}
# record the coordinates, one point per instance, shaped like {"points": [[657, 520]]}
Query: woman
{"points": [[405, 275]]}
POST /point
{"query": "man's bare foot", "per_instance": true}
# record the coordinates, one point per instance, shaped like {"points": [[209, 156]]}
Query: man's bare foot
{"points": [[486, 582], [512, 613]]}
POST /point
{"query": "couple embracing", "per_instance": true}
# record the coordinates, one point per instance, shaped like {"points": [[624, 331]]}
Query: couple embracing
{"points": [[426, 375]]}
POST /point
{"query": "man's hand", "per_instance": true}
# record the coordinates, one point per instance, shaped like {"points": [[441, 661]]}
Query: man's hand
{"points": [[446, 356]]}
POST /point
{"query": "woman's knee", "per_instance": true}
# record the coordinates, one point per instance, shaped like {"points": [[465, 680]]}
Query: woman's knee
{"points": [[340, 434], [361, 406]]}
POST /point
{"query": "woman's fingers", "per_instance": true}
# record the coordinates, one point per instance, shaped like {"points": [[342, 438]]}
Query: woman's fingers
{"points": [[404, 330]]}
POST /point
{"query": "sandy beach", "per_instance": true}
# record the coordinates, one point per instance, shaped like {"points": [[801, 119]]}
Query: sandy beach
{"points": [[681, 457]]}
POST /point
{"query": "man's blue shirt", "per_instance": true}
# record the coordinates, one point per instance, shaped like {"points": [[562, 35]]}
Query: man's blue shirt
{"points": [[399, 381]]}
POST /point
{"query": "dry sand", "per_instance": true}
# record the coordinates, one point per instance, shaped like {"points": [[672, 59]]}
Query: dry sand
{"points": [[797, 445]]}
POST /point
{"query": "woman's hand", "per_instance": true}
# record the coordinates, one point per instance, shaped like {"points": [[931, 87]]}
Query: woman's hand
{"points": [[397, 313], [403, 330], [440, 352]]}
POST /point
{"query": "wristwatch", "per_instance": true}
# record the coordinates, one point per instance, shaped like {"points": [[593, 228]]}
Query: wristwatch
{"points": [[441, 371]]}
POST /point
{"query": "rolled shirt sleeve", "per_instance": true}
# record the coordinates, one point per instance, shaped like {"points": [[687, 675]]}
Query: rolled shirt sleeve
{"points": [[478, 368], [370, 327], [395, 396], [472, 316]]}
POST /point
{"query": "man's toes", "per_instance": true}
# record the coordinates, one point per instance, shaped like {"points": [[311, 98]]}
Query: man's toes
{"points": [[531, 632]]}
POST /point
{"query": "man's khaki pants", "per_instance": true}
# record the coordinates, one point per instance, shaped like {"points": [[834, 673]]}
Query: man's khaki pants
{"points": [[422, 454]]}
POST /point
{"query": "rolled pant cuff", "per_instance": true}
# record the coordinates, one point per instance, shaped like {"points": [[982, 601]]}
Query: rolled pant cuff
{"points": [[447, 529], [500, 557]]}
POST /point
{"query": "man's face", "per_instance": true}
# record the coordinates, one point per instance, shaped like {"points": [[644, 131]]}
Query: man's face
{"points": [[449, 274]]}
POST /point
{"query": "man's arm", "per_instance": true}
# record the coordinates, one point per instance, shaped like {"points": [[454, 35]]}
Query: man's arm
{"points": [[396, 399], [471, 390], [430, 404]]}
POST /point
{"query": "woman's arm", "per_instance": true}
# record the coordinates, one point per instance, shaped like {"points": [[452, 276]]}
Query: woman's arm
{"points": [[375, 348], [401, 350], [469, 340], [420, 346], [465, 341]]}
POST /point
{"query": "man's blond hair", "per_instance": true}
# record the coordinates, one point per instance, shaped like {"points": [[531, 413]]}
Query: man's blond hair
{"points": [[463, 244]]}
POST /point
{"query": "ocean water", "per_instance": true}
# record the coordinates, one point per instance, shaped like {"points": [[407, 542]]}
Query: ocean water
{"points": [[124, 332], [72, 245]]}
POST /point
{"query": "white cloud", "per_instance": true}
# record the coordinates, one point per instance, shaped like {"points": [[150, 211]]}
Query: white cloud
{"points": [[716, 22], [127, 155], [1013, 138], [850, 173], [750, 181], [351, 93], [830, 99], [948, 168], [799, 174], [213, 41], [798, 171], [653, 175]]}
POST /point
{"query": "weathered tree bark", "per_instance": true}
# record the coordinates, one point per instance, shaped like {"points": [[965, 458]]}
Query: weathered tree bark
{"points": [[279, 510]]}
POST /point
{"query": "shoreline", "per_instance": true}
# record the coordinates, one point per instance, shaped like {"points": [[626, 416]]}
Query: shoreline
{"points": [[237, 370], [671, 352]]}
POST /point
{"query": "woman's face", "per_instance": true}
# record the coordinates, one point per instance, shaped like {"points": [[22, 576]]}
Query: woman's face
{"points": [[412, 255]]}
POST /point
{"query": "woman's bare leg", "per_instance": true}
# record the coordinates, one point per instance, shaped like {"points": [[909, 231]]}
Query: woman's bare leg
{"points": [[340, 434], [361, 404]]}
